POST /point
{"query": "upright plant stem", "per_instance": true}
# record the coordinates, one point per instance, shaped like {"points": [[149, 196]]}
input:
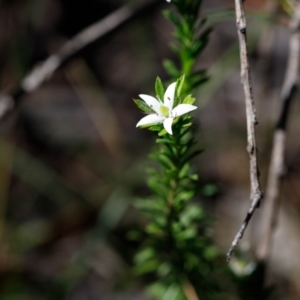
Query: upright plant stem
{"points": [[187, 287]]}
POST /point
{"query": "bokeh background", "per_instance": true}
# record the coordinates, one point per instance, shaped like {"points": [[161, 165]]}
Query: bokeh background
{"points": [[72, 161]]}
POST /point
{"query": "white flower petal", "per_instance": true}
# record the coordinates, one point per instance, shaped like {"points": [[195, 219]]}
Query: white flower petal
{"points": [[168, 125], [151, 102], [182, 109], [150, 119], [169, 96]]}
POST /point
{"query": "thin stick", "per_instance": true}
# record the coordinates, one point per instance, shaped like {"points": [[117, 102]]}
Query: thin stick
{"points": [[45, 70], [190, 292], [276, 168], [256, 191]]}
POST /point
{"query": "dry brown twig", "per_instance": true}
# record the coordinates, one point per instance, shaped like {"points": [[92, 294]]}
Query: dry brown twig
{"points": [[190, 292], [276, 168], [256, 191], [87, 36]]}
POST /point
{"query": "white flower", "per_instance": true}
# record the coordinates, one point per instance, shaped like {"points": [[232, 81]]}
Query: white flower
{"points": [[164, 112]]}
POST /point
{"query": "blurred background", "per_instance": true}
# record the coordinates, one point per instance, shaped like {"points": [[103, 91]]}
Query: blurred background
{"points": [[72, 161]]}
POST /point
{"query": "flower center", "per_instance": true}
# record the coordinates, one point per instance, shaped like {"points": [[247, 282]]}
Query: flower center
{"points": [[164, 111]]}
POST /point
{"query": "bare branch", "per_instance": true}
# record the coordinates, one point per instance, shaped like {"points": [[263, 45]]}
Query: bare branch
{"points": [[45, 70], [276, 168], [256, 191]]}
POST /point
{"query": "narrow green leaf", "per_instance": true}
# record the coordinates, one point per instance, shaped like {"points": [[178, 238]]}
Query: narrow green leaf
{"points": [[194, 177], [157, 187], [187, 125], [159, 89], [199, 82], [197, 78], [184, 132], [162, 132], [155, 128], [165, 141], [192, 155], [202, 41], [153, 229], [147, 267], [201, 22], [198, 47], [179, 85], [199, 73], [171, 69], [184, 196], [189, 233], [172, 17], [191, 213], [195, 7], [184, 170], [166, 161], [175, 49], [189, 100], [143, 106], [178, 91], [151, 205], [144, 255]]}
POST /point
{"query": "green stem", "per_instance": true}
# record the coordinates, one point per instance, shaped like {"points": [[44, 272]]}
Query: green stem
{"points": [[176, 255]]}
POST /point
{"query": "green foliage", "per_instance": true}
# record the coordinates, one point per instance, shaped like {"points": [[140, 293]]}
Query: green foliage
{"points": [[192, 37], [176, 243]]}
